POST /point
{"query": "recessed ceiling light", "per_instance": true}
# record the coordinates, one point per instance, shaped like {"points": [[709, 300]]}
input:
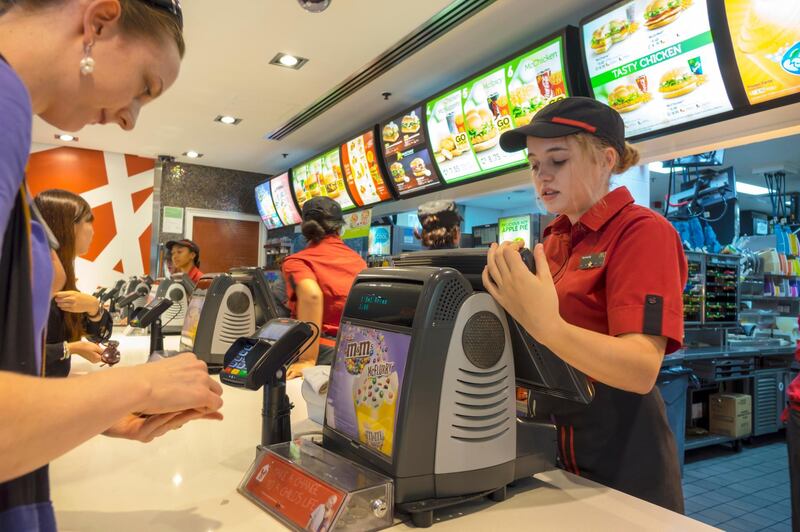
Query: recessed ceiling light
{"points": [[66, 138], [288, 61], [193, 154], [228, 120]]}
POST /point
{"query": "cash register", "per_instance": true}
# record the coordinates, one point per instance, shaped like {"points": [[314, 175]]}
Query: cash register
{"points": [[177, 289], [422, 387], [223, 308]]}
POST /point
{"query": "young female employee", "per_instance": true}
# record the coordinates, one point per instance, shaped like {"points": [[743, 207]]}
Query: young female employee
{"points": [[73, 314], [319, 278], [73, 62], [606, 297], [441, 224]]}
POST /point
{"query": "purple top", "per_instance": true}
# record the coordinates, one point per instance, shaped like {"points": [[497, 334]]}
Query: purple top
{"points": [[15, 145]]}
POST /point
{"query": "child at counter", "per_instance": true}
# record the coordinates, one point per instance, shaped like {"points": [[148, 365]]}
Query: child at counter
{"points": [[792, 416]]}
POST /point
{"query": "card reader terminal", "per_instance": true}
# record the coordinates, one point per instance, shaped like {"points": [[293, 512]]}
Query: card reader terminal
{"points": [[254, 361]]}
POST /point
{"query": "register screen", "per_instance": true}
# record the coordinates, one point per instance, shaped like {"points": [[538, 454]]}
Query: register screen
{"points": [[366, 384]]}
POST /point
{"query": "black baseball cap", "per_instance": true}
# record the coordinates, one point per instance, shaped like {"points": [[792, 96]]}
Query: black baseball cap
{"points": [[186, 243], [445, 210], [321, 208], [567, 117]]}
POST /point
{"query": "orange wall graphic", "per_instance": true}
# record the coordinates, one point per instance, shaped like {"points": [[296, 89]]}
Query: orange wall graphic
{"points": [[119, 189]]}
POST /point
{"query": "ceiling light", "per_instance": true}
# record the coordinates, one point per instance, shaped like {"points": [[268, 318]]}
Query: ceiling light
{"points": [[288, 61], [193, 154], [66, 138], [753, 190], [228, 120]]}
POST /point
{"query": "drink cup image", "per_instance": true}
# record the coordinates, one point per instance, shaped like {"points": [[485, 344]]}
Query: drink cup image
{"points": [[696, 66], [770, 37]]}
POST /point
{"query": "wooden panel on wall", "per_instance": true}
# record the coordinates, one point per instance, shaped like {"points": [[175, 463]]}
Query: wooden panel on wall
{"points": [[225, 244]]}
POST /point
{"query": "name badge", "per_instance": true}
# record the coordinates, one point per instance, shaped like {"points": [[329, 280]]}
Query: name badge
{"points": [[592, 261]]}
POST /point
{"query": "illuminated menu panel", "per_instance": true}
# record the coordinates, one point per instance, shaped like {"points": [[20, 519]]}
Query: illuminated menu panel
{"points": [[282, 198], [365, 181], [407, 154], [766, 42], [655, 63], [266, 208], [465, 124], [321, 176]]}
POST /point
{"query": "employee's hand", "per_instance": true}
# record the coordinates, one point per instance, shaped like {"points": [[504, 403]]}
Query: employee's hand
{"points": [[296, 369], [531, 299], [146, 429], [77, 302], [178, 383], [88, 350]]}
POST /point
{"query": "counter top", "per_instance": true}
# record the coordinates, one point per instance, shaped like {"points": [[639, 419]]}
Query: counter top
{"points": [[187, 479], [689, 354]]}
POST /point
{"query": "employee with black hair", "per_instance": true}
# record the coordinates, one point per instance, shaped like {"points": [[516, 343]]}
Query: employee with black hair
{"points": [[319, 278], [441, 224], [185, 255]]}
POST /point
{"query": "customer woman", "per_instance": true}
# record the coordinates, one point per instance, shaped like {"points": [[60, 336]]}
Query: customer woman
{"points": [[73, 314], [605, 298], [73, 62], [441, 225], [319, 278]]}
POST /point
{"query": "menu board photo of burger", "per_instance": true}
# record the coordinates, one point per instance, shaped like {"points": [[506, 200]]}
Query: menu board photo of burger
{"points": [[282, 198], [407, 154], [321, 177], [766, 42], [364, 177], [654, 61]]}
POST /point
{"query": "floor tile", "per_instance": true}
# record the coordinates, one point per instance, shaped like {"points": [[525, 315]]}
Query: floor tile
{"points": [[711, 516], [745, 504], [690, 490]]}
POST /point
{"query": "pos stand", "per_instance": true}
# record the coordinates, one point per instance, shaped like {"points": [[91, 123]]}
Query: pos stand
{"points": [[276, 424]]}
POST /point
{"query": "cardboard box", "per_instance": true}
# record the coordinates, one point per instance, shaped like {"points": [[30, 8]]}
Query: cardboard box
{"points": [[730, 414]]}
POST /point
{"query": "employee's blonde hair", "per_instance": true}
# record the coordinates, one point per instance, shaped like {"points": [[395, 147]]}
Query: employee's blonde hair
{"points": [[593, 146]]}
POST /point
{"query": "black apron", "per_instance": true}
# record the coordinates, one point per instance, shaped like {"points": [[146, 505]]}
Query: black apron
{"points": [[623, 440], [24, 501]]}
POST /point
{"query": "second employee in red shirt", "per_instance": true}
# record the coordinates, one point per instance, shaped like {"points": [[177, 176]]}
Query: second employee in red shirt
{"points": [[319, 278]]}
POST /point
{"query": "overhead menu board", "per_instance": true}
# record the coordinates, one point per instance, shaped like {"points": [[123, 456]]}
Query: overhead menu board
{"points": [[655, 63], [282, 198], [321, 176], [266, 208], [465, 123], [407, 153], [766, 42], [364, 177]]}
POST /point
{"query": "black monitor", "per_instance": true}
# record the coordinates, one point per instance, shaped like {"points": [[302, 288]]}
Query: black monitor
{"points": [[266, 308], [536, 367]]}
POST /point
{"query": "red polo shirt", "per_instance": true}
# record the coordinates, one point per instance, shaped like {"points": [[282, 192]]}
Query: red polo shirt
{"points": [[620, 269], [194, 274], [334, 267]]}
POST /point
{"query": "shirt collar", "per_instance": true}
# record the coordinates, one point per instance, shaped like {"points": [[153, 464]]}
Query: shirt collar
{"points": [[596, 217]]}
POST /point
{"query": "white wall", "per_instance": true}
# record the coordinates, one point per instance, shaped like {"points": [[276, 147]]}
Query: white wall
{"points": [[479, 216]]}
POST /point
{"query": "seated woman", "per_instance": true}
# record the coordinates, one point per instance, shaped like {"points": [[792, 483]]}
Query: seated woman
{"points": [[73, 314], [441, 224], [319, 278]]}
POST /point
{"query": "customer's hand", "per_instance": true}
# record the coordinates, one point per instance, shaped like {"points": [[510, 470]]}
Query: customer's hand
{"points": [[77, 302], [296, 370], [88, 350], [179, 383], [146, 429]]}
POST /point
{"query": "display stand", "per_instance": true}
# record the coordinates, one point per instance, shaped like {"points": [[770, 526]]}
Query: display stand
{"points": [[307, 487]]}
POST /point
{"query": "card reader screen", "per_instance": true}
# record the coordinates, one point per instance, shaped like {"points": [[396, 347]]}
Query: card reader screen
{"points": [[389, 303], [366, 385]]}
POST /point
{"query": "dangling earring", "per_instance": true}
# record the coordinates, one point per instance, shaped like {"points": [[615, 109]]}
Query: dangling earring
{"points": [[87, 63]]}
